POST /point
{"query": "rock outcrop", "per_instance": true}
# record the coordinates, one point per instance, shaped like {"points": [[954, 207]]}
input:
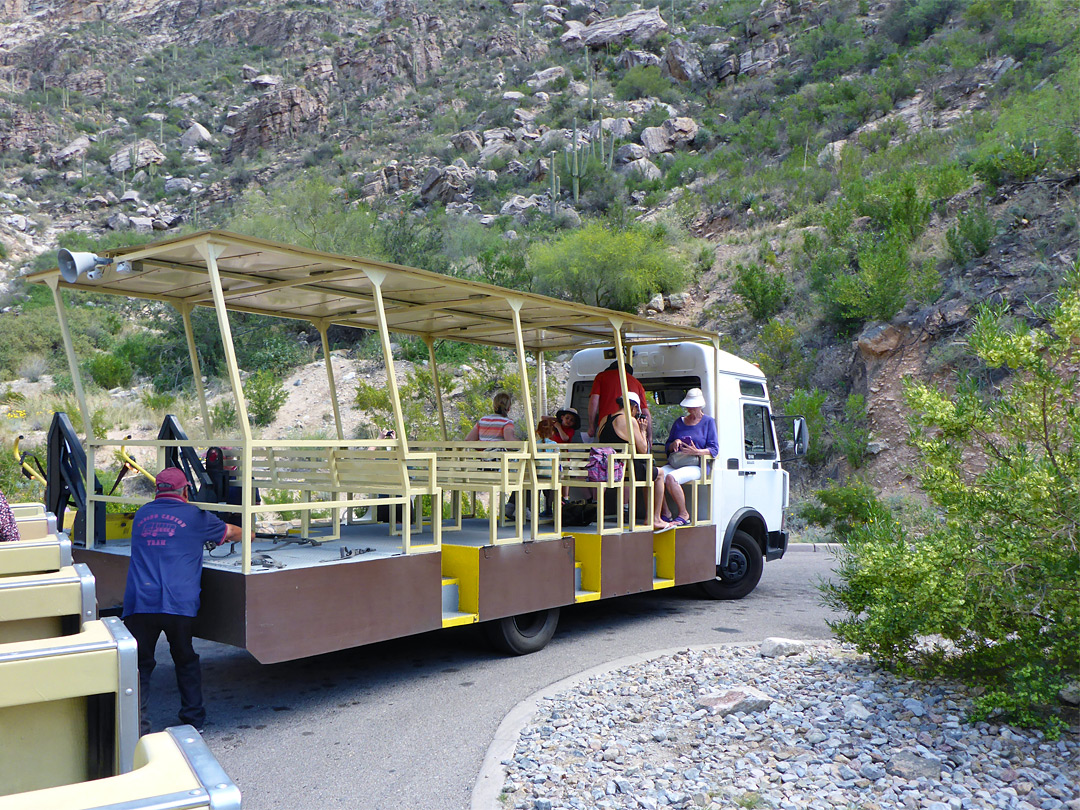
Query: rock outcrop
{"points": [[274, 119], [637, 26]]}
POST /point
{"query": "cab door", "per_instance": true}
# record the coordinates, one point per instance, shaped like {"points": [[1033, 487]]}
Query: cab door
{"points": [[764, 486]]}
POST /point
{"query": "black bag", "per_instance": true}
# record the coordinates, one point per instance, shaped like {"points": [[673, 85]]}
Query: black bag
{"points": [[578, 513]]}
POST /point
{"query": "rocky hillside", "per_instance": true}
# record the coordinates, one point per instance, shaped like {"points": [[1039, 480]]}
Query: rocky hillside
{"points": [[844, 181]]}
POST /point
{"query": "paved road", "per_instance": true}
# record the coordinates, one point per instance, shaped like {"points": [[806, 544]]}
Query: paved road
{"points": [[404, 725]]}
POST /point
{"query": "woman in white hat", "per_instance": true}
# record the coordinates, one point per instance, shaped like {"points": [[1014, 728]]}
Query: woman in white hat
{"points": [[691, 437]]}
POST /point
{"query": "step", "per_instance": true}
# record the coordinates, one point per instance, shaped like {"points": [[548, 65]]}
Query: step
{"points": [[455, 618], [586, 596], [449, 595], [660, 584]]}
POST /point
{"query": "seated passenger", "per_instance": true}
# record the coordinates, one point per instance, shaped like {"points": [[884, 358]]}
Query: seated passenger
{"points": [[691, 437], [567, 424], [496, 426], [614, 430]]}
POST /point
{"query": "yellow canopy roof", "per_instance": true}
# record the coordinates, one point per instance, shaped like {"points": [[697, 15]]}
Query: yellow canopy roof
{"points": [[270, 278]]}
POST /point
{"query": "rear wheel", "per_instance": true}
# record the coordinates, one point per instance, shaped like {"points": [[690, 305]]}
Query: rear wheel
{"points": [[741, 574], [523, 634]]}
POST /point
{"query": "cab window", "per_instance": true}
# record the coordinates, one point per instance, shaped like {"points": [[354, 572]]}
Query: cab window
{"points": [[757, 432]]}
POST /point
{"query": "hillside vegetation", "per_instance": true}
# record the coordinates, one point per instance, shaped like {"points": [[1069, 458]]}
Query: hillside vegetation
{"points": [[836, 186]]}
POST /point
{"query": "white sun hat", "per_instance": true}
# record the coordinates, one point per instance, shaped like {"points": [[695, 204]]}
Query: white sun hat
{"points": [[693, 399]]}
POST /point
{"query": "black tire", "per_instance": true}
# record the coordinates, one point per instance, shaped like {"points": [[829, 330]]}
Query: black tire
{"points": [[523, 634], [743, 571]]}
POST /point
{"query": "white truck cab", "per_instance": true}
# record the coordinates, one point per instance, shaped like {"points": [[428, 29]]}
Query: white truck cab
{"points": [[751, 487]]}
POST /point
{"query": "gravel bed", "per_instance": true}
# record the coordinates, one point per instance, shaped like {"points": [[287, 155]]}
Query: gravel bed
{"points": [[829, 731]]}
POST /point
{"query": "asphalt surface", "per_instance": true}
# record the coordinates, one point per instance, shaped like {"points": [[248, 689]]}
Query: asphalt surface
{"points": [[406, 724]]}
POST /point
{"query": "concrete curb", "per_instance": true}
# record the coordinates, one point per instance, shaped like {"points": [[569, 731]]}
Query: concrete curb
{"points": [[492, 776], [814, 547]]}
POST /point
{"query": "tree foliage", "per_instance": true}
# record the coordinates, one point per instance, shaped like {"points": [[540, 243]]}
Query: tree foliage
{"points": [[997, 576], [606, 267]]}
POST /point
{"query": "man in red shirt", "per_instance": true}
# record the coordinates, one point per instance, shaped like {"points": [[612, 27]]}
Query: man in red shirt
{"points": [[606, 388]]}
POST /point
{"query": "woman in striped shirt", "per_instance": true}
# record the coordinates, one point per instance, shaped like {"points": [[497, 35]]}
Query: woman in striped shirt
{"points": [[495, 426]]}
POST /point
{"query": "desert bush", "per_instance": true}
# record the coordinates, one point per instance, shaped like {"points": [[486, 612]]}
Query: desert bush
{"points": [[607, 267], [971, 236], [33, 367], [645, 81], [157, 401], [782, 358], [109, 371], [223, 415], [762, 291], [809, 404], [911, 21], [265, 395], [995, 573], [843, 509], [851, 433]]}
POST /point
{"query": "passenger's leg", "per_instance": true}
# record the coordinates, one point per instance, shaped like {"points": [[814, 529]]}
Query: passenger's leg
{"points": [[658, 500], [188, 674], [676, 478], [145, 628]]}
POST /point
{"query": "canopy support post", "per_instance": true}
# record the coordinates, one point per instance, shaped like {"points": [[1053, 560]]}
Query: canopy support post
{"points": [[210, 252], [196, 369], [530, 430], [429, 341]]}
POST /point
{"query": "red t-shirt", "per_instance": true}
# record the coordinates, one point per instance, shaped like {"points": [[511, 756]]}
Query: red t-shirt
{"points": [[607, 386]]}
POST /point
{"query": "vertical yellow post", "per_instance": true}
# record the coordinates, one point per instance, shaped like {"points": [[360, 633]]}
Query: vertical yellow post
{"points": [[377, 277], [210, 252], [196, 369], [429, 341], [335, 513], [541, 384], [617, 324], [69, 350], [80, 396], [530, 420]]}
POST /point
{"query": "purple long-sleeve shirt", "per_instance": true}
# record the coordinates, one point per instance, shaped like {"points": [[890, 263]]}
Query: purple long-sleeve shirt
{"points": [[703, 434]]}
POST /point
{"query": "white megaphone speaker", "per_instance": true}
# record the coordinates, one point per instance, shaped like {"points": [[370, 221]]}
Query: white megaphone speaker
{"points": [[73, 265]]}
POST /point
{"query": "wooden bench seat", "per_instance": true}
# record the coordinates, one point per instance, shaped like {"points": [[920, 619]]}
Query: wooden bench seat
{"points": [[573, 472], [34, 556]]}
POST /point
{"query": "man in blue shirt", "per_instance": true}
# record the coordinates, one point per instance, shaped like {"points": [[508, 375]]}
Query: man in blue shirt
{"points": [[163, 585]]}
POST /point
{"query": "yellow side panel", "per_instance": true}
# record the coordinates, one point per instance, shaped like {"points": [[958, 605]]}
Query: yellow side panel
{"points": [[664, 549], [27, 629], [35, 528], [160, 770], [463, 563], [29, 558], [41, 680], [59, 599], [587, 552], [44, 745]]}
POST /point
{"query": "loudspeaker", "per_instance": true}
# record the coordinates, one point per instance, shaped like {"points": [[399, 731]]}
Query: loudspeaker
{"points": [[73, 265]]}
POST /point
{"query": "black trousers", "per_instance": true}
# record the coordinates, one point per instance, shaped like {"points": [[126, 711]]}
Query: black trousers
{"points": [[146, 628]]}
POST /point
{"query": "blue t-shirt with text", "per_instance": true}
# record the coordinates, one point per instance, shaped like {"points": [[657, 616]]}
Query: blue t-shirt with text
{"points": [[167, 539]]}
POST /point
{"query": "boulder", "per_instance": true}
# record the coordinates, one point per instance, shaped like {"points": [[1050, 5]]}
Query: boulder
{"points": [[542, 78], [629, 152], [184, 100], [638, 26], [656, 304], [90, 82], [466, 141], [497, 151], [118, 222], [195, 135], [520, 207], [446, 184], [135, 156], [76, 149], [644, 167], [619, 127], [264, 81], [678, 300], [178, 185], [682, 62], [780, 647], [675, 133], [631, 58], [142, 224], [735, 699]]}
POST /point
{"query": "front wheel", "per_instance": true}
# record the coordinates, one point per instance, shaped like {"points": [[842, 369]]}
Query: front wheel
{"points": [[523, 634], [741, 574]]}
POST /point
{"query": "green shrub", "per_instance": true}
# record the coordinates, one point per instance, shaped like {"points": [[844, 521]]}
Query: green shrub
{"points": [[995, 573], [1011, 163], [762, 291], [109, 371], [809, 404], [645, 81], [851, 433], [265, 395], [844, 509], [971, 236], [223, 416], [157, 401]]}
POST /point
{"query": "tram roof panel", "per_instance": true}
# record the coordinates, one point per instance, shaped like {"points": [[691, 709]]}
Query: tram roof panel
{"points": [[270, 278]]}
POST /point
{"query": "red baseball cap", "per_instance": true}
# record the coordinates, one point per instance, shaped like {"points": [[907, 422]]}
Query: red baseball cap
{"points": [[171, 479]]}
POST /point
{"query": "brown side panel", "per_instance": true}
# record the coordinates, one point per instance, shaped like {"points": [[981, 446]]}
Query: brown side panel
{"points": [[626, 564], [221, 607], [308, 611], [524, 577], [110, 575], [695, 554]]}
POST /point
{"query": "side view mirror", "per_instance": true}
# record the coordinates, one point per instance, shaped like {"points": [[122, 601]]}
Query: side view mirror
{"points": [[793, 435]]}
